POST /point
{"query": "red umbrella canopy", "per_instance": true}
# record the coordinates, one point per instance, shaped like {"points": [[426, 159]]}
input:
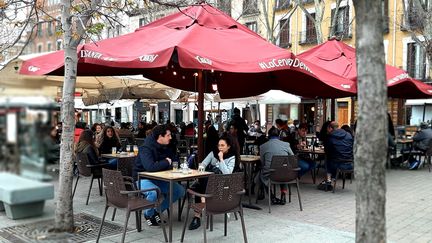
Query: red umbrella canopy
{"points": [[200, 38], [340, 58]]}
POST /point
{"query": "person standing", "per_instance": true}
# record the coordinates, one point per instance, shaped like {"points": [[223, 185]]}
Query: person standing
{"points": [[154, 156], [240, 124]]}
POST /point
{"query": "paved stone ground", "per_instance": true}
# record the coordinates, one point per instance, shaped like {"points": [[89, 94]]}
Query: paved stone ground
{"points": [[326, 217]]}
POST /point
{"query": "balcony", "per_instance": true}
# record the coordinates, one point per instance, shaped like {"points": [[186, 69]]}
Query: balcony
{"points": [[411, 21], [282, 4]]}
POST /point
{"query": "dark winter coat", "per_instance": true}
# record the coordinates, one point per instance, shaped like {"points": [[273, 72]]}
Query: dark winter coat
{"points": [[339, 146], [152, 157]]}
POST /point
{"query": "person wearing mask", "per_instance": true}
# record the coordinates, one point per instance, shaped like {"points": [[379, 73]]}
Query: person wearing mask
{"points": [[155, 156], [223, 160], [282, 126]]}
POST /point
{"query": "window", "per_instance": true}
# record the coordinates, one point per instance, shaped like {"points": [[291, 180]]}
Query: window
{"points": [[282, 4], [142, 21], [110, 32], [284, 35], [308, 35], [39, 48], [118, 30], [49, 46], [341, 27], [59, 44], [252, 26], [250, 7], [416, 61], [50, 28], [39, 29], [225, 6], [385, 13], [411, 18]]}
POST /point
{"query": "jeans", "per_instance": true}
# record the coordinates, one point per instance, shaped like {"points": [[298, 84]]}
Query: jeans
{"points": [[305, 166], [178, 192], [112, 164], [333, 166]]}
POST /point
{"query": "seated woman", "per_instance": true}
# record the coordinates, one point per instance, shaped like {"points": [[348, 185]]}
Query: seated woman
{"points": [[109, 140], [87, 146], [224, 160], [52, 147]]}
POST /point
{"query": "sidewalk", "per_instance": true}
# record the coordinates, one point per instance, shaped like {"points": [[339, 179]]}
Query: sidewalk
{"points": [[326, 217]]}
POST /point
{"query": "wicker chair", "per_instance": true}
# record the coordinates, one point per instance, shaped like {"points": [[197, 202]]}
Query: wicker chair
{"points": [[223, 196], [85, 169], [284, 171], [118, 197], [125, 166]]}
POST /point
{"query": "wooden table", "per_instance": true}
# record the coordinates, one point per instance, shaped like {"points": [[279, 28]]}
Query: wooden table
{"points": [[249, 161], [118, 156], [171, 177]]}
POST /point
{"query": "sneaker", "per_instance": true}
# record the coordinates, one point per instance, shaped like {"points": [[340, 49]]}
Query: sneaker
{"points": [[157, 218], [414, 165], [195, 224], [152, 221]]}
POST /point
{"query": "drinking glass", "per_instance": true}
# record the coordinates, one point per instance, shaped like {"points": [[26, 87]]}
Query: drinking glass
{"points": [[135, 149], [128, 148], [113, 150], [175, 165], [201, 167]]}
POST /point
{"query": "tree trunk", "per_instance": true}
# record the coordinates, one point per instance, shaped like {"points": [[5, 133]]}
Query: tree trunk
{"points": [[64, 208], [319, 14], [371, 141]]}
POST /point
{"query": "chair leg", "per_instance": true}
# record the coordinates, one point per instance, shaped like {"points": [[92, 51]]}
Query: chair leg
{"points": [[138, 220], [269, 196], [225, 224], [211, 222], [343, 180], [162, 224], [76, 183], [114, 213], [204, 214], [102, 222], [125, 226], [289, 193], [185, 223], [235, 215], [298, 193], [100, 187], [243, 225], [337, 176], [91, 185]]}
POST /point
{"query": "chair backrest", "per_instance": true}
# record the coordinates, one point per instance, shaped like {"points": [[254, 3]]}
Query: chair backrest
{"points": [[429, 150], [282, 168], [113, 183], [139, 141], [225, 190], [82, 162], [125, 165]]}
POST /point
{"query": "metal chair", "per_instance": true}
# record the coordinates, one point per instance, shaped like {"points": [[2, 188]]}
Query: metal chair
{"points": [[344, 173], [284, 171], [85, 169], [223, 196], [118, 197]]}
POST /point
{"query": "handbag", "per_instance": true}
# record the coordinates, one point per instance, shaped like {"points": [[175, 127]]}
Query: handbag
{"points": [[214, 169]]}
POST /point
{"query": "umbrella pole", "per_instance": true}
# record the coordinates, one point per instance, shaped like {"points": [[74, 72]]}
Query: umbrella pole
{"points": [[201, 80]]}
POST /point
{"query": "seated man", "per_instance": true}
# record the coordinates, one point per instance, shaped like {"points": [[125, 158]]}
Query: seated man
{"points": [[153, 156], [273, 147], [339, 150], [298, 141], [422, 139]]}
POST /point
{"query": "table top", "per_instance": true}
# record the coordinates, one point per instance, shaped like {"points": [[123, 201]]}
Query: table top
{"points": [[249, 158], [404, 140], [170, 175], [118, 156], [312, 151]]}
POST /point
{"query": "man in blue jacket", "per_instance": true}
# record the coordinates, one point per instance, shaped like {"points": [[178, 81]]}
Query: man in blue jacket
{"points": [[154, 156], [339, 150]]}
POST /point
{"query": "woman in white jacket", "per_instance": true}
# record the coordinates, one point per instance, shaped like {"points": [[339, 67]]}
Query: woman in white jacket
{"points": [[224, 160]]}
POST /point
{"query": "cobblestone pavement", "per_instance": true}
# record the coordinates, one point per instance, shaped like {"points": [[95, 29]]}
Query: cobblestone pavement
{"points": [[326, 217]]}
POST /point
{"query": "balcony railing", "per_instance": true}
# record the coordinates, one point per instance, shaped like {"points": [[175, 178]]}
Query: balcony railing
{"points": [[411, 21], [341, 34], [282, 4]]}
